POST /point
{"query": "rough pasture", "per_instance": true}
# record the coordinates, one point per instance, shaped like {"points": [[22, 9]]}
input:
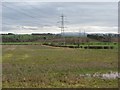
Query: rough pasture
{"points": [[44, 66]]}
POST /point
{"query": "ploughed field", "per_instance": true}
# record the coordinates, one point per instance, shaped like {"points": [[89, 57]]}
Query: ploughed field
{"points": [[51, 67]]}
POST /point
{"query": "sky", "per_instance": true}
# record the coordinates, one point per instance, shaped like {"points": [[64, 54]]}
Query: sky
{"points": [[44, 17]]}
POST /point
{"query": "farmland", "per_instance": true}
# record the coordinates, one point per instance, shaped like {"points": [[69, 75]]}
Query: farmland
{"points": [[51, 67], [59, 45]]}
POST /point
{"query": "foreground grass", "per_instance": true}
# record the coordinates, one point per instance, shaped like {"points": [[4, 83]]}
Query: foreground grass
{"points": [[44, 66]]}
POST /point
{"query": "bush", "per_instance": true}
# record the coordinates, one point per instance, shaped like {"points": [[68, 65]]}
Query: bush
{"points": [[85, 47], [81, 46]]}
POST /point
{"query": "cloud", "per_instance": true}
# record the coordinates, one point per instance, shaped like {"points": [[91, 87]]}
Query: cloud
{"points": [[94, 17], [55, 29], [60, 0]]}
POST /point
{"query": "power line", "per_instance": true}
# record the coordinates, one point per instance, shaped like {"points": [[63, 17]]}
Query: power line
{"points": [[25, 14], [30, 11], [19, 11], [34, 7]]}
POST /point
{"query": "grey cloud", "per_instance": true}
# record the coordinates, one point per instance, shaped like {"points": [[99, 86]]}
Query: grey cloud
{"points": [[100, 14]]}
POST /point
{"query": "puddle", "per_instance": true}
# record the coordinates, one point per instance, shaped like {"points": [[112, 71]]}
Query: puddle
{"points": [[110, 75]]}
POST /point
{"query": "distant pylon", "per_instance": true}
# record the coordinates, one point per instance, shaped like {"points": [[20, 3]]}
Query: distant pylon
{"points": [[62, 27]]}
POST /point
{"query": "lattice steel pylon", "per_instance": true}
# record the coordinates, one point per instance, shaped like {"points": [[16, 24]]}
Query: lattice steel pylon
{"points": [[62, 28]]}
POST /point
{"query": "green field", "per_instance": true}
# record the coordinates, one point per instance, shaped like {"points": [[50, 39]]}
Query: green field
{"points": [[46, 66]]}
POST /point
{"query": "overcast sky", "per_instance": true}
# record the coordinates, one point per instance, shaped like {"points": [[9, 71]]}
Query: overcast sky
{"points": [[39, 17]]}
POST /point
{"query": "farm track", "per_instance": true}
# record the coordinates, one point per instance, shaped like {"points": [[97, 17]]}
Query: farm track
{"points": [[57, 47]]}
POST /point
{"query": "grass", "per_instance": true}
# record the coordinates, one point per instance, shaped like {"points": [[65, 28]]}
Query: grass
{"points": [[45, 66], [20, 43]]}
